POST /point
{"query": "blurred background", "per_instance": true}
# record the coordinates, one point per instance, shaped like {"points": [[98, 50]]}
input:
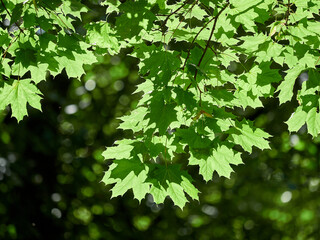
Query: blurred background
{"points": [[51, 167]]}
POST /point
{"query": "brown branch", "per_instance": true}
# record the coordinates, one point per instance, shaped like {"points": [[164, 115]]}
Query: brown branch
{"points": [[11, 16], [4, 6], [183, 17], [55, 13], [317, 61], [215, 53], [207, 45], [194, 39], [174, 12], [5, 52], [211, 34], [287, 13]]}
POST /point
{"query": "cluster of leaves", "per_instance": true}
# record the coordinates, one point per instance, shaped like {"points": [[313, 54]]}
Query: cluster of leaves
{"points": [[201, 60], [38, 38], [191, 91]]}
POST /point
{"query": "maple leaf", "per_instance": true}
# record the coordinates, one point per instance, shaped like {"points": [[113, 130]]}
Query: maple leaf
{"points": [[160, 113], [313, 122], [173, 182], [219, 160], [160, 65], [100, 34], [192, 138], [135, 18], [248, 136], [158, 180], [296, 120], [285, 89], [135, 121], [18, 93], [307, 113], [128, 174], [121, 151]]}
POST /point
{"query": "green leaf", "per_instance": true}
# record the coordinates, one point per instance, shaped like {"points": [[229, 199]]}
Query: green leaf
{"points": [[297, 119], [248, 136], [160, 113], [135, 18], [128, 174], [73, 57], [18, 93], [201, 63], [313, 122], [74, 8], [5, 67], [219, 160], [192, 138], [119, 152], [17, 13], [135, 121], [285, 89], [158, 180], [173, 182], [160, 66], [99, 34], [38, 73]]}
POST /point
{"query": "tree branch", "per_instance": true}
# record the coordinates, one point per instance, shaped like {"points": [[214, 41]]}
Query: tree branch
{"points": [[211, 34], [4, 6], [208, 43]]}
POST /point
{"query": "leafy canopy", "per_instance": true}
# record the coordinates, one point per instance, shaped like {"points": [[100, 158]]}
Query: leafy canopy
{"points": [[201, 62]]}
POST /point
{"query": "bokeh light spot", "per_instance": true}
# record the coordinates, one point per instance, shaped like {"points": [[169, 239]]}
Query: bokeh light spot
{"points": [[71, 109], [118, 85], [294, 140], [90, 85], [56, 212], [141, 223], [56, 197], [286, 196]]}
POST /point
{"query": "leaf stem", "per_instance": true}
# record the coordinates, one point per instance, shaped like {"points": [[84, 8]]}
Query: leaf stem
{"points": [[183, 17], [317, 61], [165, 153]]}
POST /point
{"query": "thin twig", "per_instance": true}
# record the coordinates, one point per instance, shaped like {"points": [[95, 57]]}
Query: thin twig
{"points": [[207, 45], [229, 56], [183, 17], [12, 41], [215, 53], [287, 13], [317, 61], [11, 15], [4, 6], [55, 13], [174, 12], [194, 39], [211, 34]]}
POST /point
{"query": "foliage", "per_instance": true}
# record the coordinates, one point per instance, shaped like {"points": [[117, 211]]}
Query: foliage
{"points": [[202, 62], [51, 165]]}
